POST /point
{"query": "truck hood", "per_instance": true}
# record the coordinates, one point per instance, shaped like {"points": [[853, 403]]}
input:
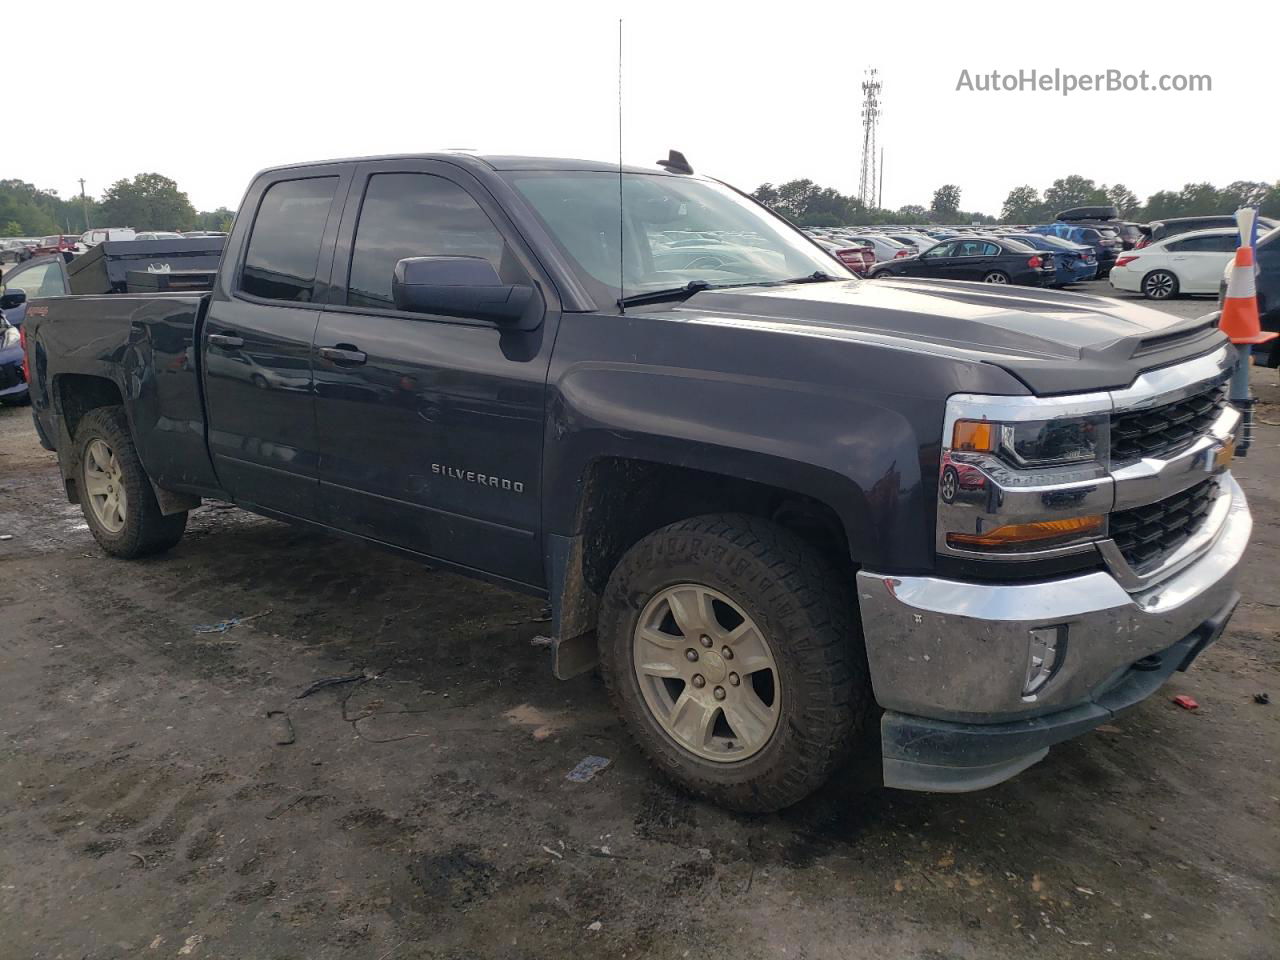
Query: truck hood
{"points": [[1051, 340]]}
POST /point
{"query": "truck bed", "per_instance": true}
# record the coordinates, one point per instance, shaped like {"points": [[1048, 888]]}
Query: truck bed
{"points": [[144, 345]]}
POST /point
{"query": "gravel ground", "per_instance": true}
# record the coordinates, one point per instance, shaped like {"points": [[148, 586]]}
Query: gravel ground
{"points": [[150, 807]]}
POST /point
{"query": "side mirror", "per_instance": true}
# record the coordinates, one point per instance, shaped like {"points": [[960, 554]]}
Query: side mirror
{"points": [[461, 287], [12, 299]]}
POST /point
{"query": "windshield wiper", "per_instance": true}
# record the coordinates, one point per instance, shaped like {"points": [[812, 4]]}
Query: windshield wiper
{"points": [[697, 286], [670, 293]]}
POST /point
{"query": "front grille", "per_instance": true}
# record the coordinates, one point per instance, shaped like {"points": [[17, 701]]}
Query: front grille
{"points": [[1161, 431], [1146, 535]]}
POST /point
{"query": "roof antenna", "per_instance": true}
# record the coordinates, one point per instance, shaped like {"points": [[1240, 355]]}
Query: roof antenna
{"points": [[622, 229], [675, 163]]}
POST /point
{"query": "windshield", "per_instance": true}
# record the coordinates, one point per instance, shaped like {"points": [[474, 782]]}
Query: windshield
{"points": [[676, 231]]}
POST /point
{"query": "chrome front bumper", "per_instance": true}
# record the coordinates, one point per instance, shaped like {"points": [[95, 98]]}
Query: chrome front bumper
{"points": [[953, 651]]}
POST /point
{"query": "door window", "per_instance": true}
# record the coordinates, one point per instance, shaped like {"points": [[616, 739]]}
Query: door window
{"points": [[1224, 243], [42, 280], [284, 247], [418, 215], [941, 250]]}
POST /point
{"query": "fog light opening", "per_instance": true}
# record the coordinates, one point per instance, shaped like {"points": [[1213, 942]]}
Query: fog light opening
{"points": [[1045, 649]]}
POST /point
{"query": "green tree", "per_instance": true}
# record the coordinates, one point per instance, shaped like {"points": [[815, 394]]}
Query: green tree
{"points": [[1199, 200], [767, 194], [1123, 199], [1270, 206], [1243, 193], [1022, 205], [147, 202], [1072, 191], [220, 219], [946, 203], [912, 213]]}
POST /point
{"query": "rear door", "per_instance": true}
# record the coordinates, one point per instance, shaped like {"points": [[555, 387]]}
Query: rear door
{"points": [[256, 347], [430, 426], [1199, 261], [972, 260]]}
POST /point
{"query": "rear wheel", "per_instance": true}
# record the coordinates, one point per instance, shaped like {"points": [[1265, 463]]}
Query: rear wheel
{"points": [[731, 651], [1159, 285], [995, 276], [115, 493]]}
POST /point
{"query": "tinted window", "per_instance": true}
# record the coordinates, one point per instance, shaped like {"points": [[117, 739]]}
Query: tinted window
{"points": [[991, 250], [1090, 236], [415, 215], [941, 250], [1220, 244], [284, 247]]}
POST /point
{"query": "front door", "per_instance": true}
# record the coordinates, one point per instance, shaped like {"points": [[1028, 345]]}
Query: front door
{"points": [[430, 427], [257, 348], [932, 263]]}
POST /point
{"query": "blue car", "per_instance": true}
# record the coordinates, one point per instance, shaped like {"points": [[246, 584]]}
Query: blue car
{"points": [[1103, 241], [13, 383], [1075, 261]]}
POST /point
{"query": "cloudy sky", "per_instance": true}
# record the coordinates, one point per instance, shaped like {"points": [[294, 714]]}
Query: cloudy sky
{"points": [[209, 93]]}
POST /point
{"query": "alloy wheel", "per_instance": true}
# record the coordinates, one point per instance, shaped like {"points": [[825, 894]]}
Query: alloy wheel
{"points": [[1159, 286], [104, 486], [706, 673]]}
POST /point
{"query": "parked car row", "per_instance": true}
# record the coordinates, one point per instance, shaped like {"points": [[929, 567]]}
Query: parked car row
{"points": [[1182, 255], [20, 249]]}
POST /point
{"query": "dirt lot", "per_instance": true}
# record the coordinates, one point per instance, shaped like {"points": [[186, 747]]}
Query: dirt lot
{"points": [[147, 807]]}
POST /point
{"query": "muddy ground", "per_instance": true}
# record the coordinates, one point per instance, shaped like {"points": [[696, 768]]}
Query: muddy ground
{"points": [[148, 807]]}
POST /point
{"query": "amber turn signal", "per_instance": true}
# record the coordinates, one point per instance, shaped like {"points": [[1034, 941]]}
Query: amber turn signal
{"points": [[977, 436], [1014, 535]]}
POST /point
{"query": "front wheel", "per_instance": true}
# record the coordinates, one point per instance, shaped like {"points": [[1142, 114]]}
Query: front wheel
{"points": [[995, 276], [732, 652], [950, 485], [115, 493]]}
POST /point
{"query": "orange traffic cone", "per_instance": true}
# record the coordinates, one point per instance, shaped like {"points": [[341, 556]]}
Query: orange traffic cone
{"points": [[1239, 320]]}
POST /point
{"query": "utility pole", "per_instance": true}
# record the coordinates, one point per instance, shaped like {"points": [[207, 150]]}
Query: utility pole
{"points": [[84, 205], [870, 117]]}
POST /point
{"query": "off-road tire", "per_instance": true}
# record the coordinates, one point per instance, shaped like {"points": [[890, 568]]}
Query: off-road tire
{"points": [[808, 617], [146, 531]]}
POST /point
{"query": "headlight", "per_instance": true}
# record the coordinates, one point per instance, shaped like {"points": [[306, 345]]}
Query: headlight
{"points": [[1032, 443], [9, 336], [1019, 486]]}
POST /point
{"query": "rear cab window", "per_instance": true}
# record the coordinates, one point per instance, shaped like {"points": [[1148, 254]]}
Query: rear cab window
{"points": [[284, 243]]}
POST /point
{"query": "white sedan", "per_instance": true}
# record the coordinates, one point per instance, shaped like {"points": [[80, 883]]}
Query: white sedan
{"points": [[1185, 263]]}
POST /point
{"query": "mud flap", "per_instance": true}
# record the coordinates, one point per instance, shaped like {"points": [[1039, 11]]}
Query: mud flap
{"points": [[573, 608]]}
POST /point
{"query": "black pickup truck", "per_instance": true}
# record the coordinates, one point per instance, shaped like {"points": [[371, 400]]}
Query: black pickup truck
{"points": [[786, 511]]}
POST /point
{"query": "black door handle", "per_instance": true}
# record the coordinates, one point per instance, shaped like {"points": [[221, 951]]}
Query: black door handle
{"points": [[344, 354], [225, 340]]}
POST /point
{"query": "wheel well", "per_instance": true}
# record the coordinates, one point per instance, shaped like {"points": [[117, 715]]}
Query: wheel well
{"points": [[624, 500], [77, 394]]}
